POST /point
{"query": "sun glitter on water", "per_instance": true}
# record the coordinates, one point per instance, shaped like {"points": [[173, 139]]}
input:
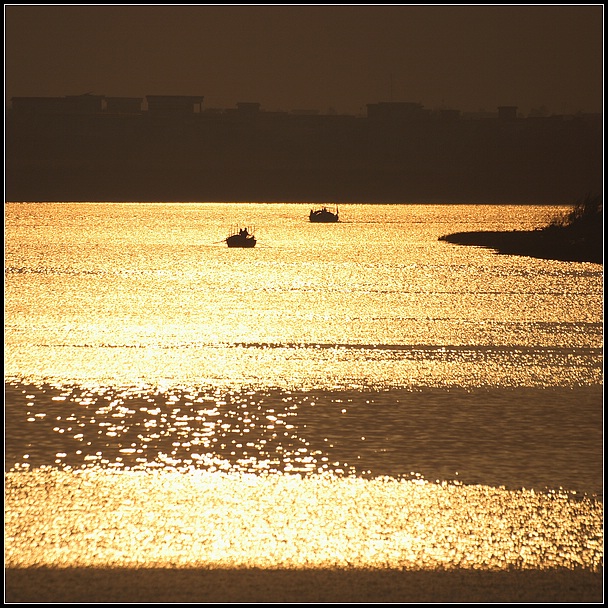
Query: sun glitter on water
{"points": [[236, 520]]}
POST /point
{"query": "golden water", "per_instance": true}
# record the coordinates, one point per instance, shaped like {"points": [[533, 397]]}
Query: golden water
{"points": [[348, 394]]}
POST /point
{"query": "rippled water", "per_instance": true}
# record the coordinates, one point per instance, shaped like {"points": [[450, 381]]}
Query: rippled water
{"points": [[330, 363]]}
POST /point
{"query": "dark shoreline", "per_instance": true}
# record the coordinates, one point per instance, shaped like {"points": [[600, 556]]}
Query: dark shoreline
{"points": [[247, 585], [544, 244]]}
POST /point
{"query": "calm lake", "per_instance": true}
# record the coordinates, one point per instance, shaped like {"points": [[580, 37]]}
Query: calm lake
{"points": [[356, 393]]}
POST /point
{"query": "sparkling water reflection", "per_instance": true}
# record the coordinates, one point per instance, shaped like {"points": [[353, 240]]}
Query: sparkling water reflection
{"points": [[354, 394], [223, 520], [490, 436]]}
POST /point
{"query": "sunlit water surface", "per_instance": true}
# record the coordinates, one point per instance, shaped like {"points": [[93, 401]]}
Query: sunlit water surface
{"points": [[355, 394]]}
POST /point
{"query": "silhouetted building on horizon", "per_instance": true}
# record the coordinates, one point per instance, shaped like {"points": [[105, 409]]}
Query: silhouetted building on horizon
{"points": [[449, 115], [248, 107], [186, 105], [124, 105], [174, 104], [396, 110], [97, 148]]}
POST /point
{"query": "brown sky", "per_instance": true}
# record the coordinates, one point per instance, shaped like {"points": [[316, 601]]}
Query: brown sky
{"points": [[313, 57]]}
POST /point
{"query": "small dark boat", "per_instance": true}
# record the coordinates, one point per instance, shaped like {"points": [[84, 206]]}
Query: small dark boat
{"points": [[323, 215], [242, 237]]}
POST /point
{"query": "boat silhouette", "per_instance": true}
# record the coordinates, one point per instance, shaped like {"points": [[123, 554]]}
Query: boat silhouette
{"points": [[323, 215], [241, 237]]}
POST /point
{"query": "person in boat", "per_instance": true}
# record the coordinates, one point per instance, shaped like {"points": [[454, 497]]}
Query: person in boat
{"points": [[243, 232]]}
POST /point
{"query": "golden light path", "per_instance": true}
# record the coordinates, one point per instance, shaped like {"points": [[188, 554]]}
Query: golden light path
{"points": [[173, 404], [134, 519]]}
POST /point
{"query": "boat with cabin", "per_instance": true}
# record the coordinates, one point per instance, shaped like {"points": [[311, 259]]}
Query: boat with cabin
{"points": [[324, 215]]}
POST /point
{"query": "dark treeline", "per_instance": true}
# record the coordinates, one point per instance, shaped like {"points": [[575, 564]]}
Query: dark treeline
{"points": [[287, 157]]}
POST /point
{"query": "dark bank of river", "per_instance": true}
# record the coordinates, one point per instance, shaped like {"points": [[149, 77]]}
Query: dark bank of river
{"points": [[549, 243]]}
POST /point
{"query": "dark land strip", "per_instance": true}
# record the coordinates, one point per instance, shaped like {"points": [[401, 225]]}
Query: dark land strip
{"points": [[539, 243], [576, 237], [246, 585]]}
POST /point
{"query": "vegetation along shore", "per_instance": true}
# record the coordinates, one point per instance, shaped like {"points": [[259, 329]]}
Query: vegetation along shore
{"points": [[575, 237]]}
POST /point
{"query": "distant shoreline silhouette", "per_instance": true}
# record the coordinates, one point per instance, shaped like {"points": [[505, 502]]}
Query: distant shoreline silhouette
{"points": [[73, 149], [578, 237]]}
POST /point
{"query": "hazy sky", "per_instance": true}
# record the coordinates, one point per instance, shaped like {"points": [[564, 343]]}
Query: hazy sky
{"points": [[313, 56]]}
